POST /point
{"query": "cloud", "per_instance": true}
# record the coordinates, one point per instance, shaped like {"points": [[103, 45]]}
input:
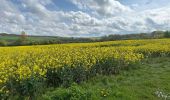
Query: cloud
{"points": [[11, 17], [103, 7], [158, 19], [94, 18], [36, 7]]}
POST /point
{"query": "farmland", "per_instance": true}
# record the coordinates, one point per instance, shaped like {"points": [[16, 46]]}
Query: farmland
{"points": [[12, 38], [26, 71]]}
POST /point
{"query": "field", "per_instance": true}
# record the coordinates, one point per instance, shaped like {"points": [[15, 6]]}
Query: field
{"points": [[11, 38], [148, 81], [29, 71]]}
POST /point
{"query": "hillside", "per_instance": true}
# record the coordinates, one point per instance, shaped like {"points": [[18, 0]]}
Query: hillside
{"points": [[14, 37], [14, 40], [11, 39]]}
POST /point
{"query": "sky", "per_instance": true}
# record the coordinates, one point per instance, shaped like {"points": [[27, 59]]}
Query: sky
{"points": [[83, 18]]}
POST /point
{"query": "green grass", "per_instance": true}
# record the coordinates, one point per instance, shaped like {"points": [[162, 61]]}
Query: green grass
{"points": [[32, 38], [41, 38], [139, 83], [9, 38]]}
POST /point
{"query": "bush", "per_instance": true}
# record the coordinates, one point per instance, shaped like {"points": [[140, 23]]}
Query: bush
{"points": [[20, 42], [3, 43], [28, 88], [74, 92], [66, 76], [167, 34]]}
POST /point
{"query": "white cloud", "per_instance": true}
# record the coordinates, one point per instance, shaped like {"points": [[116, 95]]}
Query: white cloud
{"points": [[96, 17], [103, 7], [10, 17], [159, 16], [35, 7]]}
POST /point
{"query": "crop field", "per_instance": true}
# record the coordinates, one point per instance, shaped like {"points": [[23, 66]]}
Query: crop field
{"points": [[29, 38], [26, 70]]}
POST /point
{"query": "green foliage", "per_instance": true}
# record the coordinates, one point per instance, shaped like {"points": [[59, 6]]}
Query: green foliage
{"points": [[20, 42], [142, 83], [167, 34], [65, 76], [3, 43], [23, 39], [28, 88], [157, 34], [74, 92]]}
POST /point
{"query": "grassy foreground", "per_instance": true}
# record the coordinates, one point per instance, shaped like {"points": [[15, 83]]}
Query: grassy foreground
{"points": [[148, 81]]}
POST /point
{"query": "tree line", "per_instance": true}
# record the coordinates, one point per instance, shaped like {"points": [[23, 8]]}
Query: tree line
{"points": [[23, 39]]}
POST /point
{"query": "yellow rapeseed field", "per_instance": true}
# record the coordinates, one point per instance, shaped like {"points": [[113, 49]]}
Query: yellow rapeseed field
{"points": [[18, 64]]}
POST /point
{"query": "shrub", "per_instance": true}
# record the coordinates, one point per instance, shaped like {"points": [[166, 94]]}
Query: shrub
{"points": [[3, 43], [74, 92]]}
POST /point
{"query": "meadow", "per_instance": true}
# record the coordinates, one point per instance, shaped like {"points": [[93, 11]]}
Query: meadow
{"points": [[28, 71]]}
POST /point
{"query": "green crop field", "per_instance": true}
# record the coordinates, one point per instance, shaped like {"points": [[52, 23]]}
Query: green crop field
{"points": [[9, 38], [32, 38]]}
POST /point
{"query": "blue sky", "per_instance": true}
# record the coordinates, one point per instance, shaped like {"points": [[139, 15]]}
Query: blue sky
{"points": [[146, 4], [83, 18]]}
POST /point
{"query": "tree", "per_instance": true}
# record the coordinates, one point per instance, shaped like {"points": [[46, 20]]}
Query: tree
{"points": [[23, 36], [22, 39], [167, 34], [157, 34]]}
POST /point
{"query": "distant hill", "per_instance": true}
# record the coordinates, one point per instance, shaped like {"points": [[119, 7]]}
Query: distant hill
{"points": [[37, 40], [13, 39]]}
